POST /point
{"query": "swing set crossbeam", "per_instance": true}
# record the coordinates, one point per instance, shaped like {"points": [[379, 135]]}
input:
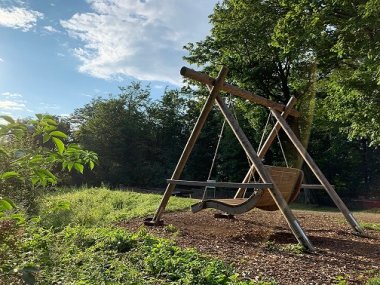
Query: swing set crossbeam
{"points": [[229, 88], [313, 186], [219, 184]]}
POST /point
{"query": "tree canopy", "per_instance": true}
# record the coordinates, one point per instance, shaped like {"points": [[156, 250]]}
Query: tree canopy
{"points": [[280, 48]]}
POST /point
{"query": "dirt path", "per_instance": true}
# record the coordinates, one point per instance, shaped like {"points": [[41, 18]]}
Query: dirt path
{"points": [[260, 243]]}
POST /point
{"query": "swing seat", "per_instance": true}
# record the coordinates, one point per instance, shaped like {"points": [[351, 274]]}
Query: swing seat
{"points": [[288, 181]]}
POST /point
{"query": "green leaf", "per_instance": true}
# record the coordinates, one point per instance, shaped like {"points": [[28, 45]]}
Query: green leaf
{"points": [[79, 167], [40, 173], [45, 177], [58, 134], [19, 218], [35, 180], [9, 174], [51, 121], [50, 128], [92, 165], [74, 145], [9, 119], [36, 159], [45, 138], [49, 174], [59, 144], [6, 204], [70, 165]]}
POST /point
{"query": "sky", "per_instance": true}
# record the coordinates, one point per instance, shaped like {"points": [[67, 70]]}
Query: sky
{"points": [[56, 55]]}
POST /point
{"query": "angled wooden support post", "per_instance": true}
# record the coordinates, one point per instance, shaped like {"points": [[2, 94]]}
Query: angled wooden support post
{"points": [[274, 191], [318, 173], [268, 142], [190, 144]]}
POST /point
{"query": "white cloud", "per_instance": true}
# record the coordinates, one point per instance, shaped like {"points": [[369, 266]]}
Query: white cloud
{"points": [[51, 29], [1, 60], [142, 39], [12, 102], [12, 105], [19, 18], [11, 95], [46, 106]]}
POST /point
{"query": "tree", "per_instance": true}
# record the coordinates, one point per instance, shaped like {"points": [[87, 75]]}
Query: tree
{"points": [[117, 129], [271, 48], [322, 52], [169, 118], [342, 38]]}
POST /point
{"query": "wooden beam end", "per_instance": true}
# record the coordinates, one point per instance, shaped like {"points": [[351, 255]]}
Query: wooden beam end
{"points": [[183, 70]]}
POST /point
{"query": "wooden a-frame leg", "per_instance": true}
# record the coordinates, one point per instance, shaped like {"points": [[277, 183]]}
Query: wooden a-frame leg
{"points": [[190, 143], [268, 142], [318, 173], [262, 171]]}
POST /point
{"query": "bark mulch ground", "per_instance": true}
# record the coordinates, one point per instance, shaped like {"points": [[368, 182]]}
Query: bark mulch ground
{"points": [[260, 245]]}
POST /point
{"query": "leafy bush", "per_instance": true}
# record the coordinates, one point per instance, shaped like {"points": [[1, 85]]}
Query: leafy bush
{"points": [[79, 255], [167, 261], [30, 155]]}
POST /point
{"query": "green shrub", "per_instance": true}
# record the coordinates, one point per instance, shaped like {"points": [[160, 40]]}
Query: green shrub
{"points": [[32, 153], [79, 255]]}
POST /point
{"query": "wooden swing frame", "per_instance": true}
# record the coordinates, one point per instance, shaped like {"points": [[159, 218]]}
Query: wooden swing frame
{"points": [[216, 85]]}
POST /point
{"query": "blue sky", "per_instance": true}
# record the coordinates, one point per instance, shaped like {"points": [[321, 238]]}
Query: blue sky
{"points": [[56, 55]]}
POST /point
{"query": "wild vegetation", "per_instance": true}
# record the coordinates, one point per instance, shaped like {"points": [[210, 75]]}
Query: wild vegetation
{"points": [[65, 245], [100, 207], [325, 53]]}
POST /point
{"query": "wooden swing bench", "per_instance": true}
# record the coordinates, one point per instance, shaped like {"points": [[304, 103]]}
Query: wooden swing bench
{"points": [[288, 180]]}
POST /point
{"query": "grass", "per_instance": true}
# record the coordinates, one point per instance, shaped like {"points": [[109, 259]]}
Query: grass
{"points": [[373, 281], [288, 248], [101, 207], [371, 226]]}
